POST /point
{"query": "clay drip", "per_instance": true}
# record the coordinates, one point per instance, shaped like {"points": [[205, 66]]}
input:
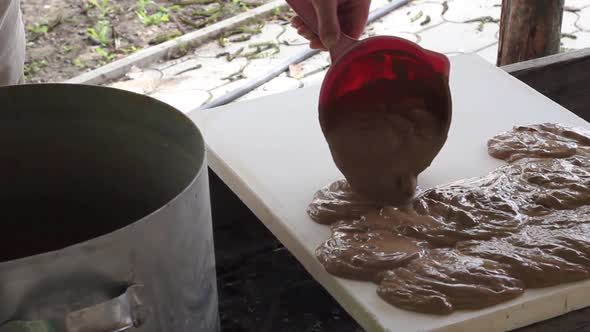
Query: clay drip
{"points": [[382, 144]]}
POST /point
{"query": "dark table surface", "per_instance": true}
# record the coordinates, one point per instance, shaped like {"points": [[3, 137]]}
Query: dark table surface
{"points": [[262, 287]]}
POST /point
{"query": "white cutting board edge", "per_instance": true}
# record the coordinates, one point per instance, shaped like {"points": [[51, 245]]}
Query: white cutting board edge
{"points": [[359, 298]]}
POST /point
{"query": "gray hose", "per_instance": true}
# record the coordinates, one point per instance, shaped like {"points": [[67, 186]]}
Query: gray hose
{"points": [[283, 66]]}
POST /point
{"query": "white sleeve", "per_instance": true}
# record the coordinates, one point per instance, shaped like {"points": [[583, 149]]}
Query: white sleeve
{"points": [[12, 43]]}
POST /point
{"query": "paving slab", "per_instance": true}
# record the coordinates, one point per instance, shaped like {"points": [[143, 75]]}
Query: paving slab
{"points": [[411, 18], [290, 37], [568, 25], [581, 39], [143, 81], [375, 4], [584, 21], [419, 2], [259, 66], [314, 69], [381, 28], [181, 67], [279, 84], [222, 90], [577, 4], [212, 49], [315, 79], [461, 11], [210, 75], [459, 37], [321, 59], [302, 70]]}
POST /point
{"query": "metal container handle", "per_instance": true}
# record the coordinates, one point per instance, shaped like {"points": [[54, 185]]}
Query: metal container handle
{"points": [[118, 314]]}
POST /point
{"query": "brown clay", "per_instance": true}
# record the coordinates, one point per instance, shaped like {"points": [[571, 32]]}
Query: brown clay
{"points": [[476, 242]]}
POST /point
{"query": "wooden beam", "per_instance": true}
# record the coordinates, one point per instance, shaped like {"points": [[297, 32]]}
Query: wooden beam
{"points": [[564, 78], [529, 29]]}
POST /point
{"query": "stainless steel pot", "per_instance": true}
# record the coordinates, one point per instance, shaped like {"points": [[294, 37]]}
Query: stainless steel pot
{"points": [[105, 214]]}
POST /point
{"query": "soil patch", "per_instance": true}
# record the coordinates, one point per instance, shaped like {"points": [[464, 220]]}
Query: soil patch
{"points": [[68, 37]]}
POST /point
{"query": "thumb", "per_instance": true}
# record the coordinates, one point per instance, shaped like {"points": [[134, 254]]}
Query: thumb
{"points": [[328, 24]]}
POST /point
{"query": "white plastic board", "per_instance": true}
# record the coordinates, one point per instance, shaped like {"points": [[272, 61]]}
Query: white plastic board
{"points": [[272, 154]]}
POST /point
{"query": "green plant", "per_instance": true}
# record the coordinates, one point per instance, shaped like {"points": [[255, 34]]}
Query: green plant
{"points": [[78, 63], [180, 50], [108, 56], [262, 50], [152, 19], [194, 2], [212, 10], [184, 47], [100, 33], [416, 17], [128, 50], [45, 27], [103, 6], [67, 48], [142, 4], [246, 34], [231, 56], [482, 22], [243, 6], [569, 35], [165, 36], [34, 67], [71, 20], [161, 15], [40, 28]]}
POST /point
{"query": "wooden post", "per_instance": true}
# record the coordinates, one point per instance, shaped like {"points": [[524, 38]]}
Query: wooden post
{"points": [[529, 29]]}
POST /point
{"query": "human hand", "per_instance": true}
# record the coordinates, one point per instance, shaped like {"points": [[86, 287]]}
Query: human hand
{"points": [[334, 17]]}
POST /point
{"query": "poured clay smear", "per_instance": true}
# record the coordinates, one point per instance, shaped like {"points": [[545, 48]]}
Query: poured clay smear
{"points": [[367, 135], [475, 242]]}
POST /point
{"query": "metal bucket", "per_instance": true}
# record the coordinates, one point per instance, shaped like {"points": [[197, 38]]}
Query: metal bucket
{"points": [[105, 214]]}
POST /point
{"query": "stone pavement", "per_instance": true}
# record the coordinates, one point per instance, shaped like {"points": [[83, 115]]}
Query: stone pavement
{"points": [[451, 27]]}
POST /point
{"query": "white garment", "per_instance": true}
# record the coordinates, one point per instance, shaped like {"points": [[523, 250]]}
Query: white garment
{"points": [[12, 43]]}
